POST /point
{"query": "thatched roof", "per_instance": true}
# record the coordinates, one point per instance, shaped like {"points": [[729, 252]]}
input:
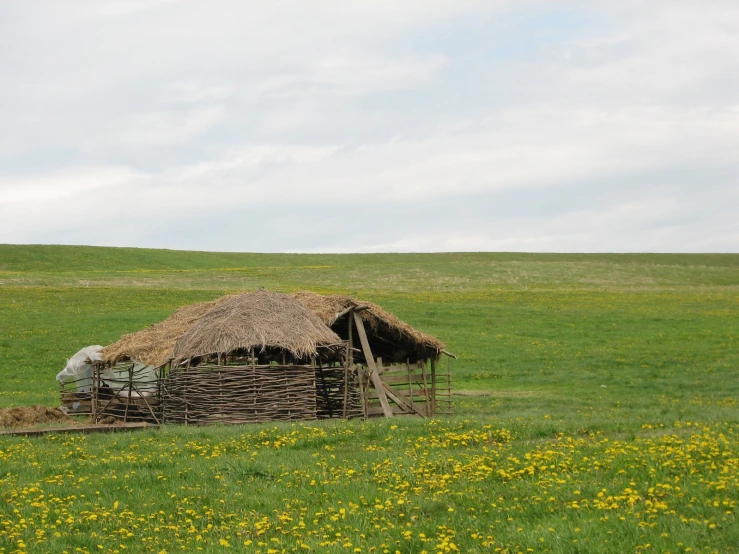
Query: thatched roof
{"points": [[382, 324], [154, 345], [258, 320], [265, 319]]}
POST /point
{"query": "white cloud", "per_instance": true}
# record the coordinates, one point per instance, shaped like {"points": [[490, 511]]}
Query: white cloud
{"points": [[44, 192], [166, 128], [168, 108]]}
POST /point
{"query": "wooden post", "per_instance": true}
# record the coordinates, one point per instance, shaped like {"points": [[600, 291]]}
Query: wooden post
{"points": [[348, 363], [163, 371], [130, 387], [410, 384], [433, 386], [427, 404], [94, 391], [376, 381]]}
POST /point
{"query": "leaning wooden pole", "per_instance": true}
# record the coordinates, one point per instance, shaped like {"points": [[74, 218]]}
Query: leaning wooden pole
{"points": [[374, 374]]}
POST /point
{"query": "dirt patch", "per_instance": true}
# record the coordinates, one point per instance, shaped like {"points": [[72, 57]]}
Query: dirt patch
{"points": [[28, 416]]}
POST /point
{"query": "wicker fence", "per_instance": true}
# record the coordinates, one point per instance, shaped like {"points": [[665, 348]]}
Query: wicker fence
{"points": [[249, 394]]}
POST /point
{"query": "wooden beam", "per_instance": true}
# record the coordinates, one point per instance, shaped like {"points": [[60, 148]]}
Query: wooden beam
{"points": [[79, 429], [342, 313], [376, 381], [102, 411], [427, 404], [401, 401]]}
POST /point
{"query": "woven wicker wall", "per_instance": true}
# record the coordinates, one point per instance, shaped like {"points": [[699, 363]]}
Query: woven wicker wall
{"points": [[239, 394], [330, 383]]}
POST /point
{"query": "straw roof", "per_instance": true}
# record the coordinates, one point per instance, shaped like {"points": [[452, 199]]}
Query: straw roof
{"points": [[381, 322], [259, 320], [154, 345]]}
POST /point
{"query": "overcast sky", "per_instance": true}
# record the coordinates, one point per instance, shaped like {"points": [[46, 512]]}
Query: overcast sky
{"points": [[389, 125]]}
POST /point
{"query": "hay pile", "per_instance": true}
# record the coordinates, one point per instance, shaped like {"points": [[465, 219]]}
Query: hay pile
{"points": [[154, 345], [329, 306], [29, 416], [258, 320]]}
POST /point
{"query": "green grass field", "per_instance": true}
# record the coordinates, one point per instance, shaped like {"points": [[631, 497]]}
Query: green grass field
{"points": [[597, 410]]}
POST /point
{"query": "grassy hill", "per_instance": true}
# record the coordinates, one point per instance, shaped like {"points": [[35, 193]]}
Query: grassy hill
{"points": [[79, 258], [133, 267], [611, 371]]}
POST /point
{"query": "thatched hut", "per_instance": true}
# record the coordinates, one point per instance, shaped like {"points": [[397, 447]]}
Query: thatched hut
{"points": [[267, 356], [258, 357]]}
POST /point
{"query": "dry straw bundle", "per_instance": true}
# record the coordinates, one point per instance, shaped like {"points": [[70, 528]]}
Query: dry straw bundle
{"points": [[257, 320], [154, 345]]}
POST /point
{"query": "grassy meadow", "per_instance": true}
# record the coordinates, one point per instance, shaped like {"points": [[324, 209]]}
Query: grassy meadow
{"points": [[596, 411]]}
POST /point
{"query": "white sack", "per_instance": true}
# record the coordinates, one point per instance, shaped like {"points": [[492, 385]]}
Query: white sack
{"points": [[78, 366], [144, 377]]}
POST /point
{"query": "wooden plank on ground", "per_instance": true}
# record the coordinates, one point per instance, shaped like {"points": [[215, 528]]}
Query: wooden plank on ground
{"points": [[371, 363], [79, 429]]}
